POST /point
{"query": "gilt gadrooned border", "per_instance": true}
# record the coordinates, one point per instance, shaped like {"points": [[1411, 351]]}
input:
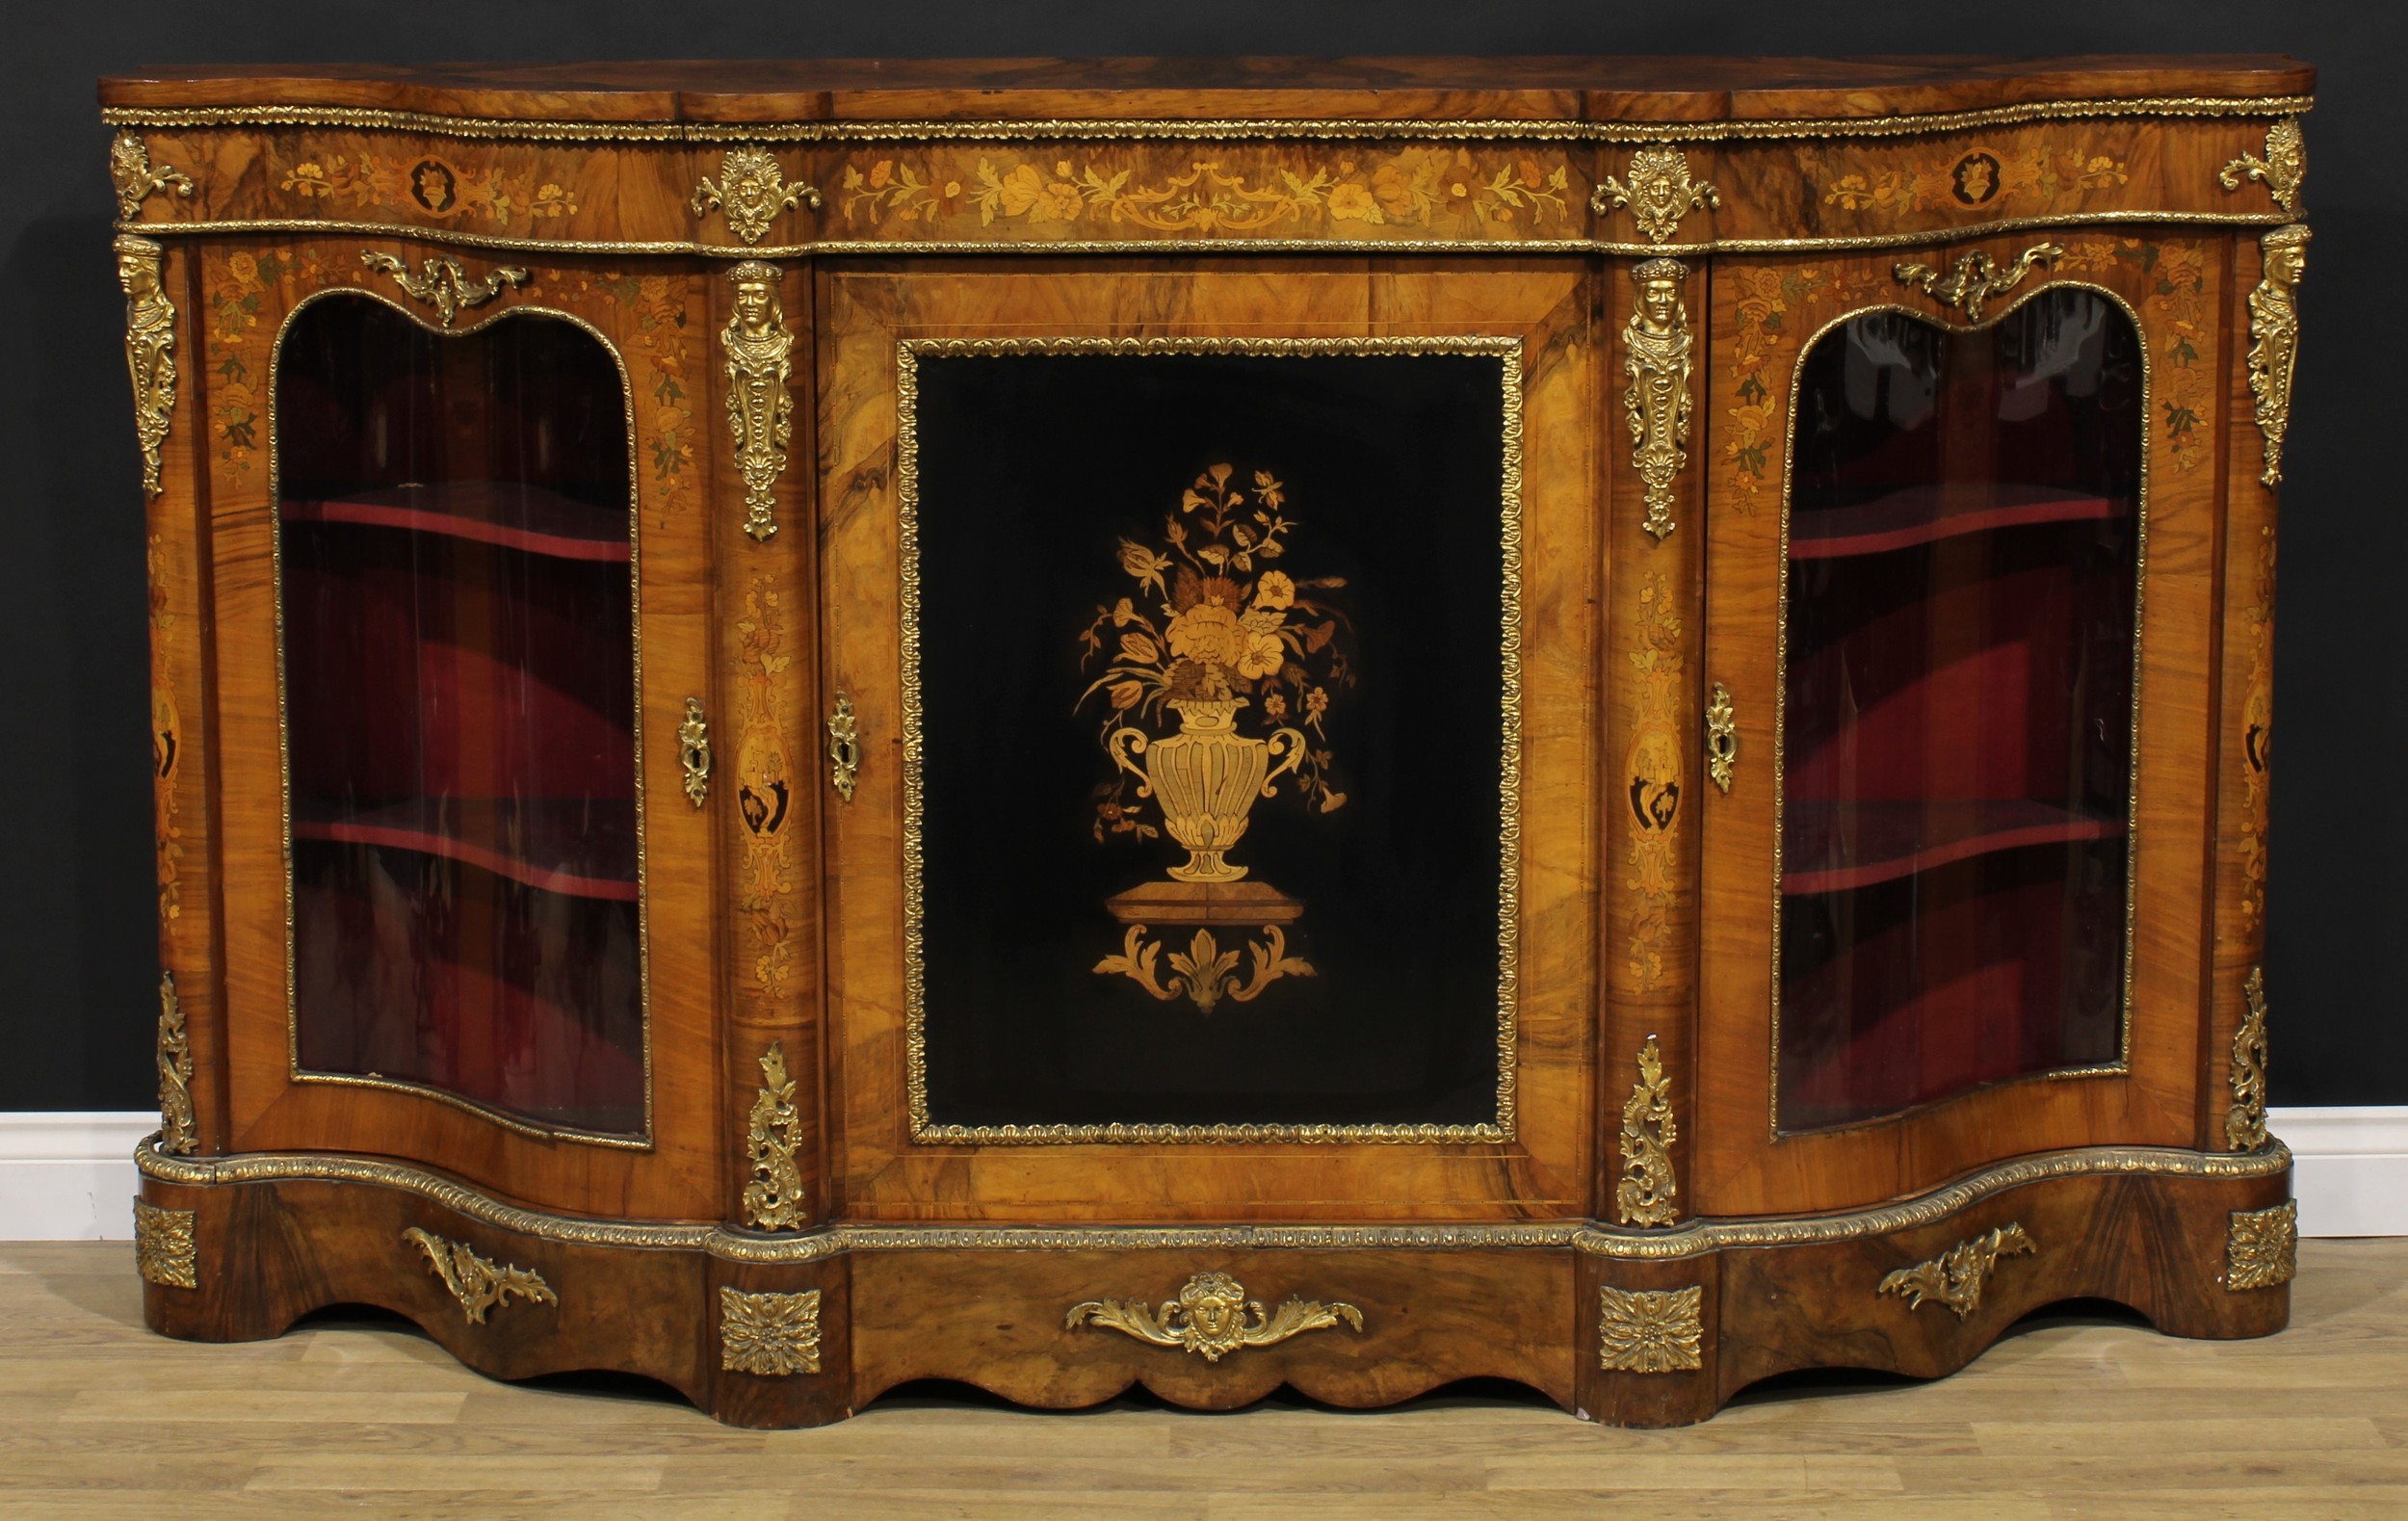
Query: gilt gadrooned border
{"points": [[1247, 129], [1586, 1237]]}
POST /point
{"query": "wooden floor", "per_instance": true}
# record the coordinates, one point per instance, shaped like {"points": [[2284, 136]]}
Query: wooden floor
{"points": [[2071, 1416]]}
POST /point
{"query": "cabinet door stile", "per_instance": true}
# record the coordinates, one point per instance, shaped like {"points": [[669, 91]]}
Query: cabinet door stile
{"points": [[1652, 384], [776, 737]]}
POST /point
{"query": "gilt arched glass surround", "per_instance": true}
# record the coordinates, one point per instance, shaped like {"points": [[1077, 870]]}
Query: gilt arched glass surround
{"points": [[1963, 537], [458, 669]]}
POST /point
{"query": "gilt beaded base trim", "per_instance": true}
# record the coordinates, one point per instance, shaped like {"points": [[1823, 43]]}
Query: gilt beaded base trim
{"points": [[1587, 1237]]}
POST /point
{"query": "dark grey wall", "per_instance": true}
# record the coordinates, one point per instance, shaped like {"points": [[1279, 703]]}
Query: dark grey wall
{"points": [[76, 960]]}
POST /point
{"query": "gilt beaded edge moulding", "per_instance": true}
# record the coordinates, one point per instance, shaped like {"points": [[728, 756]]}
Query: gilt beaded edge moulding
{"points": [[1215, 813], [1693, 1237]]}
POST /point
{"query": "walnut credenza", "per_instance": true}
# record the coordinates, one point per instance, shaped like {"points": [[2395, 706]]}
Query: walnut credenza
{"points": [[1600, 722]]}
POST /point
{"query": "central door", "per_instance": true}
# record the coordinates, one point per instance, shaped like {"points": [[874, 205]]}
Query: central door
{"points": [[1188, 869]]}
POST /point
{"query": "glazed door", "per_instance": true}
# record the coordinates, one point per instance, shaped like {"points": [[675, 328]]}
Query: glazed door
{"points": [[1222, 743], [1959, 591], [461, 620]]}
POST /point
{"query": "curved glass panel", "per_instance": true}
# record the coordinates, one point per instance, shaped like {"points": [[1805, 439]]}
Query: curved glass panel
{"points": [[1960, 633], [455, 560]]}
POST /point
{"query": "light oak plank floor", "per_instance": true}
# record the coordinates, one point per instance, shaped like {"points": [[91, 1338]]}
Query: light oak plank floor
{"points": [[2070, 1416]]}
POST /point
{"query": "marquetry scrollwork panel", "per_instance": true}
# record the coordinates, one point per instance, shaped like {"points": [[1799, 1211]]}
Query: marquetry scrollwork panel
{"points": [[2274, 340], [150, 348], [770, 1335], [1650, 1330], [1656, 403], [1212, 1317]]}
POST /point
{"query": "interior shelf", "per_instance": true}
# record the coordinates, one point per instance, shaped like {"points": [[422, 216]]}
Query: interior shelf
{"points": [[1882, 839], [509, 514], [573, 848], [1923, 514]]}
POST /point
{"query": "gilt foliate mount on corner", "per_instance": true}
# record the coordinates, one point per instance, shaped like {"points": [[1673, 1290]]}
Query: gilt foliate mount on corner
{"points": [[1210, 629]]}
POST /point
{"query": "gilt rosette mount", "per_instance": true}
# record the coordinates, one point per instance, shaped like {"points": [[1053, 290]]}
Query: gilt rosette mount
{"points": [[1246, 659]]}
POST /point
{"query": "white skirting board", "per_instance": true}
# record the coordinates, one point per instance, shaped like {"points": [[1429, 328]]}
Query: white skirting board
{"points": [[70, 1176]]}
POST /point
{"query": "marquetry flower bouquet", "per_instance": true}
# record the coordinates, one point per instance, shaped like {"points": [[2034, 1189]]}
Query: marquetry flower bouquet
{"points": [[1244, 654]]}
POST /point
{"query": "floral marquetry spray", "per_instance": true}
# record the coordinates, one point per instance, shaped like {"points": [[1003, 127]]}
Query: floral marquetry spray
{"points": [[1243, 657]]}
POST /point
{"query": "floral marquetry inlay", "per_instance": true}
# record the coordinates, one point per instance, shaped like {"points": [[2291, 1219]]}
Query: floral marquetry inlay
{"points": [[770, 1335], [2019, 175], [765, 786], [1650, 1330], [1656, 774], [1142, 189], [474, 191]]}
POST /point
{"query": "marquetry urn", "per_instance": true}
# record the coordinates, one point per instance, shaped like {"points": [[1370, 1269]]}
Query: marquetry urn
{"points": [[1212, 723]]}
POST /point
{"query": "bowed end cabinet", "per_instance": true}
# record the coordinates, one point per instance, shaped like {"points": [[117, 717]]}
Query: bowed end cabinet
{"points": [[1602, 722]]}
